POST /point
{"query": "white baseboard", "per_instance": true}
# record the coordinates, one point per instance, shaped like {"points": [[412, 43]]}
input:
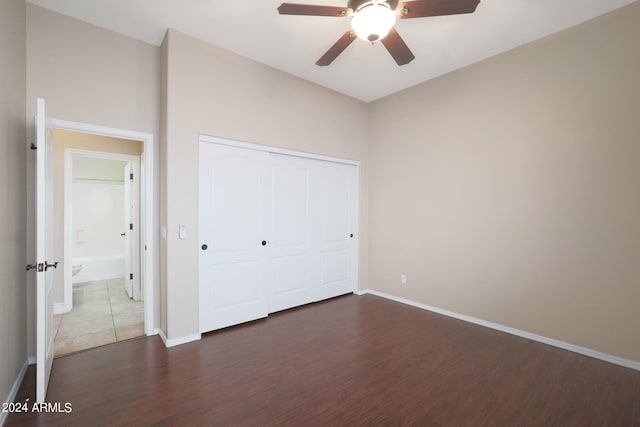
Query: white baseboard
{"points": [[14, 390], [152, 332], [539, 338], [32, 360], [178, 341], [164, 338]]}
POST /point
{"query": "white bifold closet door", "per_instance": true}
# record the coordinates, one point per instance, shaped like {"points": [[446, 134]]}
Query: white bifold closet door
{"points": [[277, 231]]}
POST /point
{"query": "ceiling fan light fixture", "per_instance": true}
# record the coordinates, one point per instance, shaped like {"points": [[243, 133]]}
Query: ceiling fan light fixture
{"points": [[373, 21]]}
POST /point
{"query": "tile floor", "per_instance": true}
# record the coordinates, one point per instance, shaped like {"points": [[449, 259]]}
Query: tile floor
{"points": [[102, 314]]}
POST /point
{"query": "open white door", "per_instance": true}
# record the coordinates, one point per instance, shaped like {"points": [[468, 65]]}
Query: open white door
{"points": [[44, 250]]}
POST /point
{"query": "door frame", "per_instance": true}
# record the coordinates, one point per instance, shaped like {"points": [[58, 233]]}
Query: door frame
{"points": [[276, 150], [147, 169], [69, 155]]}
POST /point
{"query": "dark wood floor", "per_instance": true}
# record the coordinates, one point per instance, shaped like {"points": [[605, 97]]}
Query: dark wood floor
{"points": [[350, 361]]}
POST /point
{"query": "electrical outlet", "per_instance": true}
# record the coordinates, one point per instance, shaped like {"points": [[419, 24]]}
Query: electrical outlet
{"points": [[403, 279]]}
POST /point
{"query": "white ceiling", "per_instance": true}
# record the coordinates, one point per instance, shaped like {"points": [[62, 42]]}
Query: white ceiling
{"points": [[254, 29]]}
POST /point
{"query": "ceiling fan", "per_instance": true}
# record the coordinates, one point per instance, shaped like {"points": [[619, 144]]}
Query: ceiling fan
{"points": [[373, 20]]}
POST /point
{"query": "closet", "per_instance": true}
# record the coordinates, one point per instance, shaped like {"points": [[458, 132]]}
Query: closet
{"points": [[276, 231]]}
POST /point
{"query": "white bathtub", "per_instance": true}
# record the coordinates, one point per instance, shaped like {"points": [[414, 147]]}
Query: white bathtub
{"points": [[99, 268]]}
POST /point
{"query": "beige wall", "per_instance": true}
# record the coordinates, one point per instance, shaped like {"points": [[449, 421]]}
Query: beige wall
{"points": [[62, 140], [214, 92], [508, 191], [13, 202], [93, 76]]}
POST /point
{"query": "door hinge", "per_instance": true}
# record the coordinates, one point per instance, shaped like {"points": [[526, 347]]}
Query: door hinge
{"points": [[130, 226], [33, 146], [131, 176], [130, 276]]}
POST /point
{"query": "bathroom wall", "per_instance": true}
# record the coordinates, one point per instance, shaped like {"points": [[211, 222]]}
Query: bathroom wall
{"points": [[98, 208], [98, 217]]}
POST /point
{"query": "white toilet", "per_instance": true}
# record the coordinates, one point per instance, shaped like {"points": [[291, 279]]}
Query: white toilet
{"points": [[75, 269]]}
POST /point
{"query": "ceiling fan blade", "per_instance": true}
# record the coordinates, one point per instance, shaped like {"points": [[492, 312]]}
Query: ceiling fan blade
{"points": [[424, 8], [397, 48], [313, 10], [337, 48]]}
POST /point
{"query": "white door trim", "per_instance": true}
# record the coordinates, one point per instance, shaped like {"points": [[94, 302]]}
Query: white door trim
{"points": [[146, 205], [276, 150]]}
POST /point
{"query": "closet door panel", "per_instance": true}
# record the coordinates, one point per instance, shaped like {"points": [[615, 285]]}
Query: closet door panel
{"points": [[335, 266], [234, 213], [289, 274], [335, 224], [292, 234], [235, 204], [337, 198]]}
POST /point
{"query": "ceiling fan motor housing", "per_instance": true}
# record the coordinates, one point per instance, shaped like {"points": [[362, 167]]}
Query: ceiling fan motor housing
{"points": [[355, 5]]}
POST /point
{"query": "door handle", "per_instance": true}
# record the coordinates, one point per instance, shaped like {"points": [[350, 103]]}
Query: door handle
{"points": [[47, 265], [123, 234], [38, 267]]}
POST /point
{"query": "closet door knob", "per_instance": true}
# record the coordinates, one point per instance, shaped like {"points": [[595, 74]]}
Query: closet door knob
{"points": [[264, 243], [204, 247]]}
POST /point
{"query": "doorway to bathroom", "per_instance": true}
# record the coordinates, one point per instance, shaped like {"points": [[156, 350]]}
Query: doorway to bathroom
{"points": [[102, 299]]}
